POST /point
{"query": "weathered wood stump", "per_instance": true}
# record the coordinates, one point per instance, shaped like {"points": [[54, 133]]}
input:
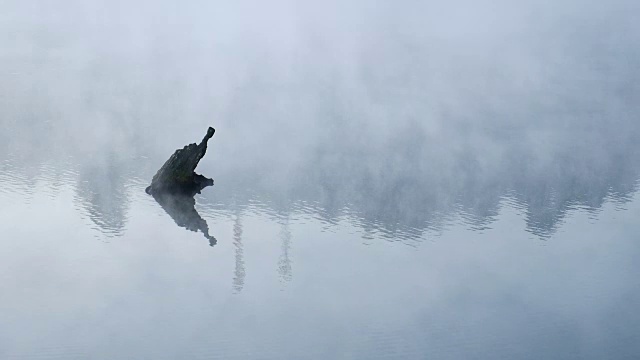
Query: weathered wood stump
{"points": [[177, 175]]}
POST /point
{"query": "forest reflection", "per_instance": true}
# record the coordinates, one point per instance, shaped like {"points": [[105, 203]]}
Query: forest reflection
{"points": [[406, 208]]}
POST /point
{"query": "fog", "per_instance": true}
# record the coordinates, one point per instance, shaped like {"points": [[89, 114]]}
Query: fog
{"points": [[399, 110], [392, 178]]}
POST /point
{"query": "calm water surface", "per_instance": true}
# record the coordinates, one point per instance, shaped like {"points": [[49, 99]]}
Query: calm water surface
{"points": [[402, 191]]}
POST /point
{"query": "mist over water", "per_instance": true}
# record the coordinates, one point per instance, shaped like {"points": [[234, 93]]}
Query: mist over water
{"points": [[392, 179]]}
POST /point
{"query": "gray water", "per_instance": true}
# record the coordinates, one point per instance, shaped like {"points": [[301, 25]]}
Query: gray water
{"points": [[406, 180]]}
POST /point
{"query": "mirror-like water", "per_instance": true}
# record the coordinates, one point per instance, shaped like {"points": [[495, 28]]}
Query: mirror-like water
{"points": [[396, 180]]}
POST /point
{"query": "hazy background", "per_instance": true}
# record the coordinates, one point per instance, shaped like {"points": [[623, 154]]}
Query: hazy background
{"points": [[423, 104], [499, 139]]}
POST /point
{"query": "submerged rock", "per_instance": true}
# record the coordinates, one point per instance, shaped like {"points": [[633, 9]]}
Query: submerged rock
{"points": [[177, 176]]}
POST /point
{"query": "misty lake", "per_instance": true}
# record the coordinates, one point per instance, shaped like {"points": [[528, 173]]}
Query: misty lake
{"points": [[391, 182]]}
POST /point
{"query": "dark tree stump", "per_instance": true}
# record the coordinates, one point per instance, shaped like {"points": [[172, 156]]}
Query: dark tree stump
{"points": [[177, 176]]}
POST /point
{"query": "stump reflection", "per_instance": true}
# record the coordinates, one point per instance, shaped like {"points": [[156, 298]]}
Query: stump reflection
{"points": [[182, 210]]}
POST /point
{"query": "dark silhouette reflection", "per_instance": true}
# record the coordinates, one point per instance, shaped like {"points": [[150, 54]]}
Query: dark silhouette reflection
{"points": [[182, 210]]}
